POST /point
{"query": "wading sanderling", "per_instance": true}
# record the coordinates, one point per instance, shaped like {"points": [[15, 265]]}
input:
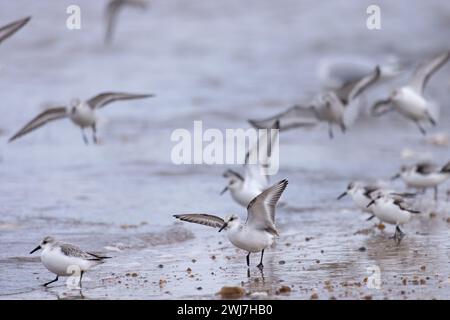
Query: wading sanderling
{"points": [[409, 100], [82, 113], [255, 234], [65, 260], [336, 107], [11, 28]]}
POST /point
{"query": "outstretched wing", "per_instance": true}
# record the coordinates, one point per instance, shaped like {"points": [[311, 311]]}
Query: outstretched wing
{"points": [[381, 107], [105, 98], [426, 70], [261, 210], [41, 119], [294, 117], [8, 30], [352, 90], [201, 218]]}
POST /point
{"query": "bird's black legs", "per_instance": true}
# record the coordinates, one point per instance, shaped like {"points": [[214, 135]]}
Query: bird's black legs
{"points": [[421, 128], [81, 277], [398, 235], [330, 130], [85, 139], [260, 265], [46, 284], [435, 193], [248, 260], [94, 133]]}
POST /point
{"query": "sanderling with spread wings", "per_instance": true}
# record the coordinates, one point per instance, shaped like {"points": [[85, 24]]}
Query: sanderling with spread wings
{"points": [[255, 234], [11, 28], [409, 100], [245, 188], [112, 11], [392, 208], [64, 259], [424, 175], [82, 113], [337, 107]]}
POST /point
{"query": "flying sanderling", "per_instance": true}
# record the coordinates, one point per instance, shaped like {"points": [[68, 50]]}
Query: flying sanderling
{"points": [[409, 100], [82, 113], [337, 107], [11, 28], [66, 260], [255, 234]]}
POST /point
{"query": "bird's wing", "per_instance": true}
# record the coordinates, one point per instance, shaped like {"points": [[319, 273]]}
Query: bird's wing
{"points": [[105, 98], [201, 218], [41, 119], [356, 88], [73, 251], [261, 210], [294, 117], [10, 29], [402, 204], [381, 107], [426, 70], [426, 168]]}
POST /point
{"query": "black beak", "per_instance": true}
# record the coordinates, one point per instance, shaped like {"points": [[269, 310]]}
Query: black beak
{"points": [[35, 249], [224, 226], [370, 203], [342, 195], [224, 190], [396, 176]]}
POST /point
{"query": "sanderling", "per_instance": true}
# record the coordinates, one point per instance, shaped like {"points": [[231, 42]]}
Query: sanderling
{"points": [[8, 30], [112, 10], [82, 113], [66, 260], [424, 175], [362, 195], [409, 99], [334, 107], [245, 188], [255, 234], [393, 209]]}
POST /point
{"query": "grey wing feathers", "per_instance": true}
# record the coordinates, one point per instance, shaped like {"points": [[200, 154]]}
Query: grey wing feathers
{"points": [[381, 107], [105, 98], [354, 89], [41, 119], [8, 30], [294, 117], [424, 72], [201, 218]]}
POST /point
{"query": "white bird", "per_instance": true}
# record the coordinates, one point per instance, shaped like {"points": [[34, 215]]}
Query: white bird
{"points": [[424, 175], [409, 100], [362, 195], [11, 28], [392, 209], [338, 107], [245, 188], [112, 11], [82, 113], [65, 260], [255, 234]]}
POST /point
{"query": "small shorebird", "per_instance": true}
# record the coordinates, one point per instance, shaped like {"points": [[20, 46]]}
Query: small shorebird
{"points": [[337, 107], [255, 234], [244, 189], [65, 260], [424, 175], [409, 100], [11, 28], [112, 10], [362, 195], [82, 113], [392, 209]]}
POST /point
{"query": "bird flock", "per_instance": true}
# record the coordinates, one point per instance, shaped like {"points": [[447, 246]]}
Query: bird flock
{"points": [[337, 106]]}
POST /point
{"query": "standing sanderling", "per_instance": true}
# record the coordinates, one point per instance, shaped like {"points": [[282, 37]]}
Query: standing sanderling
{"points": [[336, 107], [409, 100], [393, 209], [255, 234], [11, 28], [424, 175], [82, 113], [65, 260]]}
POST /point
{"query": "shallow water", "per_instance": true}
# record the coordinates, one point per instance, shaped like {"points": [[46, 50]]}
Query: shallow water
{"points": [[221, 62]]}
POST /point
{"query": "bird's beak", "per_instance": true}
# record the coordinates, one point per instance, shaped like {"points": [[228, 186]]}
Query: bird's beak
{"points": [[370, 203], [224, 190], [396, 176], [342, 195], [224, 226], [35, 249]]}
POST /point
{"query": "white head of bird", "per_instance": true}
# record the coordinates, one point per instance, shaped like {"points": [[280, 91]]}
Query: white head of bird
{"points": [[231, 221], [47, 242]]}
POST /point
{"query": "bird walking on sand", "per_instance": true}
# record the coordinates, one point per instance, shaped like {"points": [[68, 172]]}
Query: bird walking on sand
{"points": [[81, 113], [64, 259], [336, 107], [410, 101], [255, 234], [11, 28]]}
